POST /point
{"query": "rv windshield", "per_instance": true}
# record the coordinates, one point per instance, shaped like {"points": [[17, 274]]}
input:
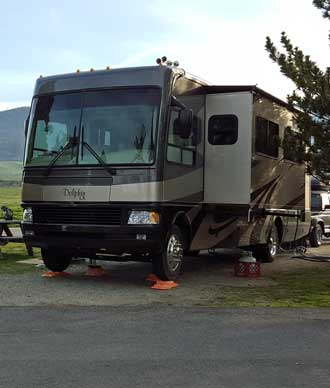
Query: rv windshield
{"points": [[119, 125]]}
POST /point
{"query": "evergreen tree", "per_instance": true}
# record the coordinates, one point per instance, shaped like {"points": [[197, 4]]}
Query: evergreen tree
{"points": [[311, 100]]}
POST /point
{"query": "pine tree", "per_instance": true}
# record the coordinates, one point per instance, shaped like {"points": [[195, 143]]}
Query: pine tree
{"points": [[310, 99]]}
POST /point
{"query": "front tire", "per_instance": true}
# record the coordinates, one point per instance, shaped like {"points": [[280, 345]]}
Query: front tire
{"points": [[168, 265], [315, 237], [55, 260]]}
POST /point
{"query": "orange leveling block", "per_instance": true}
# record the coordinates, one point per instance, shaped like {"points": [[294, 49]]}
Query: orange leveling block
{"points": [[160, 284], [96, 271], [52, 274], [152, 278]]}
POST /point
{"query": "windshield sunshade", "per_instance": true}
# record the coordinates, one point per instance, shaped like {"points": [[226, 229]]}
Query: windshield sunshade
{"points": [[119, 125]]}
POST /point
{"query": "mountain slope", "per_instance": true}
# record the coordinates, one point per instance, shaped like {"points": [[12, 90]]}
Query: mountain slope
{"points": [[12, 133]]}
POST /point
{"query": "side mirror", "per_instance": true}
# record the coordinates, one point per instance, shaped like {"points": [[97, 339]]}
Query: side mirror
{"points": [[26, 125], [185, 123]]}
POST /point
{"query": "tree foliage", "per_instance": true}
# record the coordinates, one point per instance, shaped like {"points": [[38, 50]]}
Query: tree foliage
{"points": [[324, 5], [310, 99]]}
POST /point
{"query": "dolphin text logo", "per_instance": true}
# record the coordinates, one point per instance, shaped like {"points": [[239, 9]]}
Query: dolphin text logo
{"points": [[75, 194]]}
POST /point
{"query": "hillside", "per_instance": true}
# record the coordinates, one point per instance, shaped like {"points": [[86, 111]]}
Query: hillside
{"points": [[10, 173], [12, 133]]}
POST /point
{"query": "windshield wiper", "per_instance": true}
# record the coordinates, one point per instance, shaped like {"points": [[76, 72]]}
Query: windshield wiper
{"points": [[94, 153], [73, 141]]}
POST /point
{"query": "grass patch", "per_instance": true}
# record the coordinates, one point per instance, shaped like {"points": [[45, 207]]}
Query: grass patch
{"points": [[298, 288], [11, 197], [11, 254], [10, 171]]}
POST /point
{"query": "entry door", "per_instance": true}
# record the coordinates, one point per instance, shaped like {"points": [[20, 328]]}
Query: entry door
{"points": [[228, 148]]}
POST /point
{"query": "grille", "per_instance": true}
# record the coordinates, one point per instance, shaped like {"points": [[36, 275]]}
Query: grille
{"points": [[77, 215]]}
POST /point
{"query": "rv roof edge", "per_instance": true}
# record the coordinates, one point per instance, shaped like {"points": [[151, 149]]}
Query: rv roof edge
{"points": [[245, 88]]}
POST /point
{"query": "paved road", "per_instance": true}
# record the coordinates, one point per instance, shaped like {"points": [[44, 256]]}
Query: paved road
{"points": [[169, 347]]}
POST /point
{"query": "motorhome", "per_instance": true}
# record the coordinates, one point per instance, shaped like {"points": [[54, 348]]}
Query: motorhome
{"points": [[152, 163]]}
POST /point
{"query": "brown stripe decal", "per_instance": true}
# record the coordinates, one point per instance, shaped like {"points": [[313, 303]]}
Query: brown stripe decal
{"points": [[263, 188], [266, 192], [295, 201], [216, 231]]}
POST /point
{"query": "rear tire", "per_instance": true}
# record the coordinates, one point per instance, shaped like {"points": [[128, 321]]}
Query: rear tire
{"points": [[169, 264], [55, 260], [266, 253], [315, 237]]}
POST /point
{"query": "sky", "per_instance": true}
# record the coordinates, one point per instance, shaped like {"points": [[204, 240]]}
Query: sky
{"points": [[220, 41]]}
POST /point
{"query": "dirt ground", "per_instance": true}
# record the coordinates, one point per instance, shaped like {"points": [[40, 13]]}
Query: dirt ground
{"points": [[202, 281]]}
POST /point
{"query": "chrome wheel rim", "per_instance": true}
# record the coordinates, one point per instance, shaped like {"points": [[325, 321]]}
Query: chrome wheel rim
{"points": [[319, 235], [174, 253], [273, 243]]}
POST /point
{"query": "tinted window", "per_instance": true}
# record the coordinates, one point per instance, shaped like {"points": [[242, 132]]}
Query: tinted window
{"points": [[292, 146], [267, 137], [223, 130], [316, 202]]}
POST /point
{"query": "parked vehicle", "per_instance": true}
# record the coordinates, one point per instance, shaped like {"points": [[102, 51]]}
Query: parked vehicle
{"points": [[151, 163], [320, 207]]}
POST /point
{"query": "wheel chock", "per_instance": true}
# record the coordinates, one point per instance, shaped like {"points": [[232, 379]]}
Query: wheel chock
{"points": [[164, 285], [96, 271], [160, 284], [51, 274], [152, 278]]}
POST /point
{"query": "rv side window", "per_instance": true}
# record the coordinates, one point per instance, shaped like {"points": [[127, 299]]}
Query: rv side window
{"points": [[179, 150], [223, 130], [267, 137], [316, 204], [292, 146]]}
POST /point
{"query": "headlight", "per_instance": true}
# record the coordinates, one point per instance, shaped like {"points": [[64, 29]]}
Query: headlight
{"points": [[143, 217], [27, 215]]}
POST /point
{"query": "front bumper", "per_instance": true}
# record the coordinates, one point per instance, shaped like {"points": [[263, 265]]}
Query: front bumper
{"points": [[92, 239]]}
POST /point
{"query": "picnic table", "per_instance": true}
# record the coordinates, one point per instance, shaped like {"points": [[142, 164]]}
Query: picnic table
{"points": [[7, 236]]}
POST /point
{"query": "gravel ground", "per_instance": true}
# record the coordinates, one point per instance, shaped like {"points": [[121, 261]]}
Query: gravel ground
{"points": [[125, 283]]}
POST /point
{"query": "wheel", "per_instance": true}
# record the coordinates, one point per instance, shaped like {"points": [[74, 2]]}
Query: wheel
{"points": [[168, 265], [315, 237], [55, 260], [302, 242], [266, 253]]}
